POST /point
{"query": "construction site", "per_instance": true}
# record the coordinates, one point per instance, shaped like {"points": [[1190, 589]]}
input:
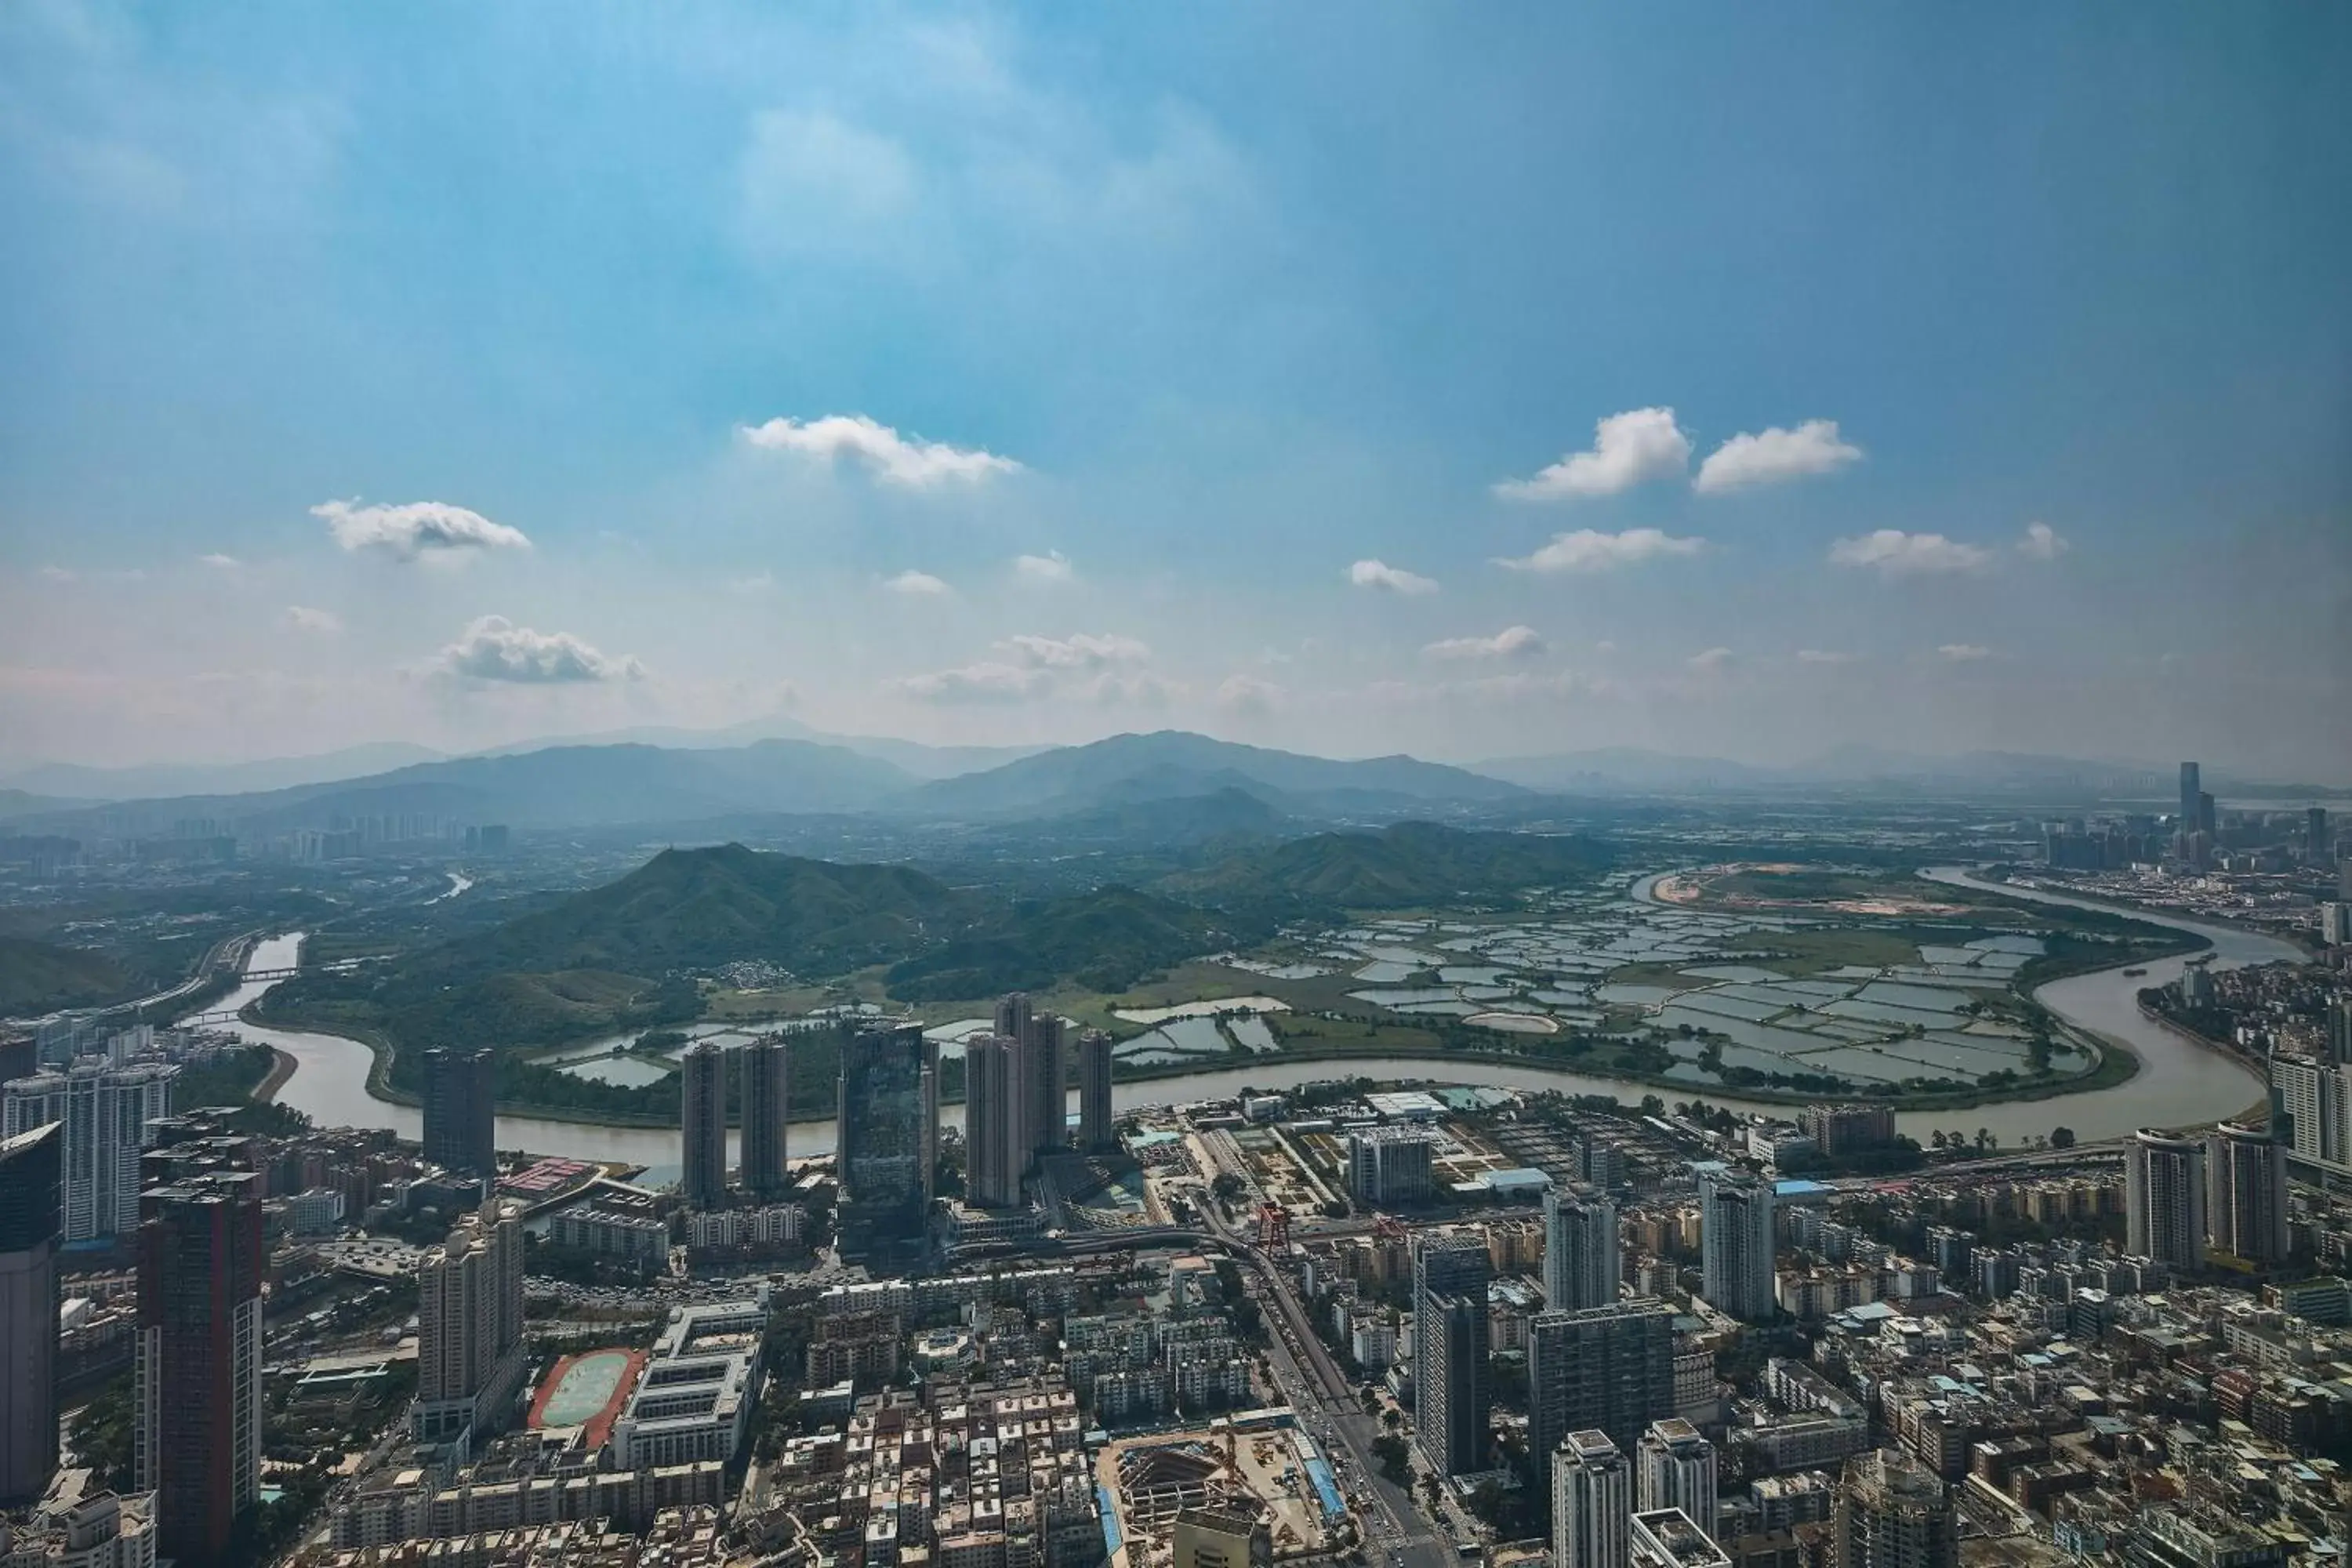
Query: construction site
{"points": [[1256, 1465]]}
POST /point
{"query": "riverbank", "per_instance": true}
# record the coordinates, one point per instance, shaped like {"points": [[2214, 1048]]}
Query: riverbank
{"points": [[2148, 1077], [2117, 1064], [281, 1068], [2260, 1109]]}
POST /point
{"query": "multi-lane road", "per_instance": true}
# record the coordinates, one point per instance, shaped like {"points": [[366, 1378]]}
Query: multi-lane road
{"points": [[1331, 1412]]}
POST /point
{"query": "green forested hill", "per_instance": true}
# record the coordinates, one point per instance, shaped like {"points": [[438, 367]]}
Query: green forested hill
{"points": [[1105, 941], [41, 976], [696, 908], [614, 958]]}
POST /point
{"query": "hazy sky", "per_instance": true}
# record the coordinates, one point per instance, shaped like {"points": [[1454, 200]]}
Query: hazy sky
{"points": [[1461, 380]]}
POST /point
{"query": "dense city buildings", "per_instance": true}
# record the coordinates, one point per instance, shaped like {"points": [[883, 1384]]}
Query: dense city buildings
{"points": [[767, 1115], [693, 1403], [2246, 1194], [461, 1132], [702, 1114], [1583, 1262], [106, 1107], [1675, 1466], [997, 1103], [1841, 1130], [95, 1529], [1609, 1369], [2313, 1095], [1047, 1073], [1388, 1167], [197, 1425], [2164, 1198], [1738, 1238], [1592, 1503], [29, 1166], [1450, 1274], [1669, 1538], [1892, 1512], [888, 1116], [1095, 1058], [469, 1339]]}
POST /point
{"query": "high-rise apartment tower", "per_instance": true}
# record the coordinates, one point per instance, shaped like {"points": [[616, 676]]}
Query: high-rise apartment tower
{"points": [[702, 1125], [767, 1115]]}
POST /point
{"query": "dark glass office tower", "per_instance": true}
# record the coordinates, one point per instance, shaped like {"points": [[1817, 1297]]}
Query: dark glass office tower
{"points": [[461, 1128], [30, 1213], [887, 1114]]}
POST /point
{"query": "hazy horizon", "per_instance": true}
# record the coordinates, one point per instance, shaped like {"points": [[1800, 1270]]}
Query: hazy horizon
{"points": [[1726, 384]]}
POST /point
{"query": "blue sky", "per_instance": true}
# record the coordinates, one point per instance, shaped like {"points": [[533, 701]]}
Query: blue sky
{"points": [[1040, 374]]}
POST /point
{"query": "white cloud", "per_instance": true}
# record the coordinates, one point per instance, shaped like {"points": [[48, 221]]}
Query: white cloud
{"points": [[1587, 550], [758, 581], [1513, 689], [1083, 652], [1823, 655], [1105, 667], [225, 562], [59, 574], [1896, 553], [1053, 567], [495, 648], [1628, 448], [1376, 574], [1771, 457], [917, 585], [1111, 689], [303, 618], [2043, 542], [988, 681], [1964, 652], [1248, 694], [1712, 659], [1511, 642], [416, 530], [811, 183], [895, 460]]}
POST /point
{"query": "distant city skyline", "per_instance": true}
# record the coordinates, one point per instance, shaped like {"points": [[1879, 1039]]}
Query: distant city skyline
{"points": [[1745, 390]]}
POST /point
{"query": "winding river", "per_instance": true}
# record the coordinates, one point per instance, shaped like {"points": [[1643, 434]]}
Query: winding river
{"points": [[2178, 1083]]}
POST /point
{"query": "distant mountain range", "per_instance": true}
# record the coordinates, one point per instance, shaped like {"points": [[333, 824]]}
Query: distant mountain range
{"points": [[16, 802], [66, 784], [1170, 786], [1237, 788], [563, 786], [1175, 764], [1847, 769], [165, 780]]}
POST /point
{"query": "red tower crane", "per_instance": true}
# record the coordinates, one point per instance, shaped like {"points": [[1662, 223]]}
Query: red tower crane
{"points": [[1273, 1226]]}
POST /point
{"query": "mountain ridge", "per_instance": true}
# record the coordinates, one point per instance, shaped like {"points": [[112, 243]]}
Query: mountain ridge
{"points": [[1167, 763]]}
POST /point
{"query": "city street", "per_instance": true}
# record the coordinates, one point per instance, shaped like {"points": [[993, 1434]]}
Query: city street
{"points": [[1329, 1411]]}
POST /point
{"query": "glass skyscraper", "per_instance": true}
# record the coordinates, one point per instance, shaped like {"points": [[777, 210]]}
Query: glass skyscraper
{"points": [[888, 1121]]}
